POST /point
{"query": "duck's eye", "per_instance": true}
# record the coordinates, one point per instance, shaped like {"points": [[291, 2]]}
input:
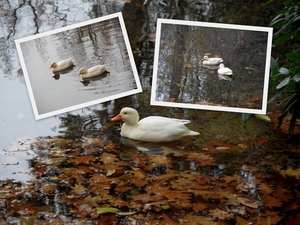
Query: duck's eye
{"points": [[125, 113]]}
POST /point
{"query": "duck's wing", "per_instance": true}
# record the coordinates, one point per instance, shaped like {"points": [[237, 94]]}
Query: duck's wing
{"points": [[163, 125]]}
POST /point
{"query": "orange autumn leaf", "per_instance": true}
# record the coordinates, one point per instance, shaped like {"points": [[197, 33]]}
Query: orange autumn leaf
{"points": [[269, 218], [139, 160], [83, 159], [138, 182], [248, 202], [259, 141], [220, 143], [78, 189], [271, 201], [199, 206], [220, 214], [122, 188], [196, 220], [111, 146], [107, 158], [167, 220]]}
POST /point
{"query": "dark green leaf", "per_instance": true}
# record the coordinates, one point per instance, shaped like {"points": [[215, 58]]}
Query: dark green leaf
{"points": [[277, 94], [274, 66], [293, 56], [283, 38]]}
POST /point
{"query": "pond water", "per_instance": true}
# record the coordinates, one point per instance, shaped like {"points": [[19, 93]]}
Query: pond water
{"points": [[67, 168]]}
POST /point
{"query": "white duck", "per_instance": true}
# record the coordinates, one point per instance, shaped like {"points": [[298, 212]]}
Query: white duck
{"points": [[224, 73], [62, 65], [152, 128], [211, 61], [93, 71]]}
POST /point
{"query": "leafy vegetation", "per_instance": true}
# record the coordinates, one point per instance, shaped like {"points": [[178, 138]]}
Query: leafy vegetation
{"points": [[285, 78]]}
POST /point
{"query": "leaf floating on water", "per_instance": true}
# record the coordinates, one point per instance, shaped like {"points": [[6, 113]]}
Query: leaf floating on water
{"points": [[143, 149], [114, 210], [291, 172], [125, 213], [248, 202], [222, 148], [107, 210], [220, 214], [165, 206], [263, 117], [110, 172], [108, 158]]}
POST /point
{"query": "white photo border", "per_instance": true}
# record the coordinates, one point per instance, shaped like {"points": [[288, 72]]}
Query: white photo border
{"points": [[263, 109], [88, 103]]}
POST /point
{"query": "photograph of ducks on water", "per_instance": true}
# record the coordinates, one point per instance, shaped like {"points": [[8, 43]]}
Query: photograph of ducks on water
{"points": [[188, 71], [152, 128], [79, 63]]}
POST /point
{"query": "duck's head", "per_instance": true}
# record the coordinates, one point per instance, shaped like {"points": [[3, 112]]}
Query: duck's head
{"points": [[52, 65], [221, 65], [82, 71], [205, 58], [128, 115]]}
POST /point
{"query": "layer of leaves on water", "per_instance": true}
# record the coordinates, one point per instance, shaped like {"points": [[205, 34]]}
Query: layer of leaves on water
{"points": [[92, 182]]}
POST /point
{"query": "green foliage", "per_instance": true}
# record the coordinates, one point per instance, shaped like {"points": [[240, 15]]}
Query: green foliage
{"points": [[285, 81]]}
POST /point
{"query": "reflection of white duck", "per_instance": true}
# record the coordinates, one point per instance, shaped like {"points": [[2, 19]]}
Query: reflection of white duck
{"points": [[62, 65], [211, 61], [93, 71], [152, 128], [224, 73]]}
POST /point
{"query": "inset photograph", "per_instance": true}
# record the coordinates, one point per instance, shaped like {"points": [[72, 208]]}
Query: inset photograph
{"points": [[78, 66], [211, 66]]}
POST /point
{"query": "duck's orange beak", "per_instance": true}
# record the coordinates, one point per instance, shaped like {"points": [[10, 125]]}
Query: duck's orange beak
{"points": [[116, 118]]}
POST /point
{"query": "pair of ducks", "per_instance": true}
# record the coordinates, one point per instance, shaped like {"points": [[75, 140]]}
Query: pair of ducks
{"points": [[224, 73], [84, 73], [152, 128]]}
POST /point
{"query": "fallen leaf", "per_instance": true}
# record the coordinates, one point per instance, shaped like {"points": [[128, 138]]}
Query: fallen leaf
{"points": [[114, 210], [199, 206], [110, 172], [196, 220], [220, 214], [265, 189], [291, 172], [248, 202], [107, 158], [271, 201], [83, 159], [79, 189]]}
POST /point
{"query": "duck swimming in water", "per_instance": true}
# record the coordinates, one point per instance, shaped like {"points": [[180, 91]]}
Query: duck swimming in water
{"points": [[92, 72], [152, 128], [61, 65]]}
